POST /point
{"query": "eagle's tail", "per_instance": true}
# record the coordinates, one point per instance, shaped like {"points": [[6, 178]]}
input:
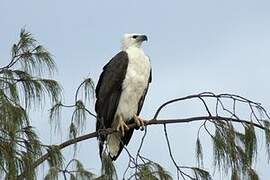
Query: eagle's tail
{"points": [[116, 142], [114, 145]]}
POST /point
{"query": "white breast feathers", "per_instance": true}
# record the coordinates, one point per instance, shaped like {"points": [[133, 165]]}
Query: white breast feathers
{"points": [[135, 82]]}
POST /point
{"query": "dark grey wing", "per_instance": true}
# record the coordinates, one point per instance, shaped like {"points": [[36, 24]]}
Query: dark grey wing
{"points": [[108, 92], [125, 139]]}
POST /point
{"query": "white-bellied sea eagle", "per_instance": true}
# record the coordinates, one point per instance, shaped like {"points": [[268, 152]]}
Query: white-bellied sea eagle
{"points": [[120, 94]]}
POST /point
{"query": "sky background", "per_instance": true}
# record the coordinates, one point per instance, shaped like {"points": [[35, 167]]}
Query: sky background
{"points": [[194, 46]]}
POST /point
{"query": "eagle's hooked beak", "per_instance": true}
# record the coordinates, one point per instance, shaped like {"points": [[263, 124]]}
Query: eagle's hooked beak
{"points": [[142, 38]]}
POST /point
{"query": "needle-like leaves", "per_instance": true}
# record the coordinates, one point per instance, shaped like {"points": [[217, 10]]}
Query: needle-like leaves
{"points": [[23, 86], [152, 171], [199, 152]]}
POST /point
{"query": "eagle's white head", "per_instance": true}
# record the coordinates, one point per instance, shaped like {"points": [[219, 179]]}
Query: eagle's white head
{"points": [[133, 40]]}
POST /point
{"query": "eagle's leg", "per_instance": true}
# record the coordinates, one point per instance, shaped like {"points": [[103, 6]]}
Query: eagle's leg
{"points": [[139, 121], [121, 125]]}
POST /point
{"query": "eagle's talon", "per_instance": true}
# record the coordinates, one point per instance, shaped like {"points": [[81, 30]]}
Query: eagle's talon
{"points": [[139, 122], [122, 127]]}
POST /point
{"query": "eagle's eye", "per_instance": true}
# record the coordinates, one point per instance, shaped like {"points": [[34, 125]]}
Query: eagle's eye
{"points": [[134, 36]]}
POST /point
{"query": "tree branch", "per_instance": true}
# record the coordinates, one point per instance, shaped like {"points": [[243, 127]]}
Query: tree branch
{"points": [[147, 123]]}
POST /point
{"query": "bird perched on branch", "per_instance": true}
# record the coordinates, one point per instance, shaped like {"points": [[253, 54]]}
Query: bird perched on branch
{"points": [[120, 94]]}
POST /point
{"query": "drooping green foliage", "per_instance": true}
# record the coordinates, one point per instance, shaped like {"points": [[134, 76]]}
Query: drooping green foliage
{"points": [[234, 139], [86, 89], [79, 115], [267, 137], [150, 171], [199, 152], [33, 57], [52, 174], [234, 150], [79, 108], [22, 86], [55, 159], [250, 143], [73, 170], [201, 174], [81, 172], [108, 170]]}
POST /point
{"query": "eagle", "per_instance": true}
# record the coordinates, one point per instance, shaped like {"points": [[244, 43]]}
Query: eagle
{"points": [[120, 94]]}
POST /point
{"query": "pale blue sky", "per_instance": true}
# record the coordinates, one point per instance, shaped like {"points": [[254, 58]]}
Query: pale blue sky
{"points": [[194, 46]]}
